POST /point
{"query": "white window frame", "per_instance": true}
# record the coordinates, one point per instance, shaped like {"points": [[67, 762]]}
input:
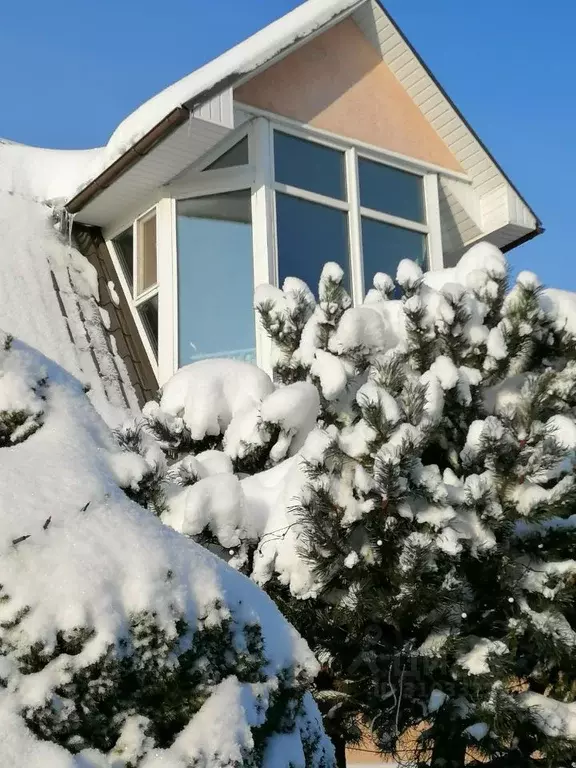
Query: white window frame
{"points": [[129, 290], [259, 177], [353, 152]]}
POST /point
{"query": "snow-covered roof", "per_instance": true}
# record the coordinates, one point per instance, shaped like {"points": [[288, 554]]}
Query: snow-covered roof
{"points": [[48, 290], [242, 59], [144, 151]]}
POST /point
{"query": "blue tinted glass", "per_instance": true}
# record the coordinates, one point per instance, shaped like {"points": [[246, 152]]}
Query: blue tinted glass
{"points": [[384, 247], [390, 190], [215, 278], [309, 235], [310, 166]]}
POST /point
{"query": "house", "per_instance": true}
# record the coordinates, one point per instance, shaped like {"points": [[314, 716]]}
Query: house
{"points": [[322, 137]]}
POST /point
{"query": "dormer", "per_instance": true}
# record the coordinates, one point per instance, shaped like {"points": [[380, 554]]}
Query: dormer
{"points": [[322, 138]]}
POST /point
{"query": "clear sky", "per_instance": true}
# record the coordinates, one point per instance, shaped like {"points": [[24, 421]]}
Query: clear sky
{"points": [[71, 71]]}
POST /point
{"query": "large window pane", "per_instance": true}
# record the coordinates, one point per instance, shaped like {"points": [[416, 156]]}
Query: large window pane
{"points": [[236, 155], [124, 247], [148, 312], [215, 278], [390, 190], [310, 166], [384, 247], [309, 235], [146, 260]]}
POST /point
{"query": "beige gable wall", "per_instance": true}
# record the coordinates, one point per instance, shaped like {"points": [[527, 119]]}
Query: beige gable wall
{"points": [[338, 82]]}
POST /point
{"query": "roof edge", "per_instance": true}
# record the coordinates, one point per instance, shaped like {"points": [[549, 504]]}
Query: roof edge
{"points": [[539, 227], [179, 115]]}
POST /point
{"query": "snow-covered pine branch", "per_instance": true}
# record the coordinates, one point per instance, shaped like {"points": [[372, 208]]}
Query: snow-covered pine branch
{"points": [[122, 643], [418, 525]]}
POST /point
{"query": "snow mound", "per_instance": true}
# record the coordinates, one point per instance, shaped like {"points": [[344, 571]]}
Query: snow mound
{"points": [[92, 583], [45, 174], [208, 394]]}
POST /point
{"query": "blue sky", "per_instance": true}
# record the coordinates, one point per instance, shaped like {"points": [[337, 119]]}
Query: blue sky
{"points": [[72, 71]]}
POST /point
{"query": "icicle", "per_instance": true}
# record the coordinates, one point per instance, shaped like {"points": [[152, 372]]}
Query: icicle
{"points": [[190, 117], [69, 224]]}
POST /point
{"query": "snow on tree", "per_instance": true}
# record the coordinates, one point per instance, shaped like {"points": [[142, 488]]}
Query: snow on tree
{"points": [[421, 536], [122, 643]]}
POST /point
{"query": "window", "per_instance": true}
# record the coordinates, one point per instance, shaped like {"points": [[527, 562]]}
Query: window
{"points": [[390, 190], [215, 277], [146, 258], [235, 156], [136, 250], [330, 204], [308, 236], [124, 247], [384, 246], [270, 201], [309, 166]]}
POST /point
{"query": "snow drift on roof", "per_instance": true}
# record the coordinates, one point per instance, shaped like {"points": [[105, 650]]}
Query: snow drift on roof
{"points": [[45, 174], [242, 59], [49, 294]]}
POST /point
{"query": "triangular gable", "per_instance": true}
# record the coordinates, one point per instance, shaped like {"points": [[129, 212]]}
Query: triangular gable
{"points": [[338, 82]]}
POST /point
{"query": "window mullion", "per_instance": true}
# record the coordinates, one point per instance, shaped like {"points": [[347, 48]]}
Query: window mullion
{"points": [[395, 221], [134, 260], [313, 197], [264, 245], [432, 202], [167, 305], [355, 227]]}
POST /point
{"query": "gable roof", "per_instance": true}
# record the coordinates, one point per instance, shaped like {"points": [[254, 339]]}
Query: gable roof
{"points": [[187, 102]]}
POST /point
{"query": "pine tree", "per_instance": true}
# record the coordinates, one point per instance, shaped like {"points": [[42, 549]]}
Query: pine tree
{"points": [[122, 643], [437, 522], [436, 514]]}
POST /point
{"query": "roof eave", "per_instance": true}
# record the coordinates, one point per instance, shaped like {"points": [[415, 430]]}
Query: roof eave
{"points": [[181, 114]]}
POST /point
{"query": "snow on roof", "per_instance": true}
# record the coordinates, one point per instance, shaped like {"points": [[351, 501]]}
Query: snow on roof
{"points": [[241, 59], [44, 174], [55, 175], [48, 290]]}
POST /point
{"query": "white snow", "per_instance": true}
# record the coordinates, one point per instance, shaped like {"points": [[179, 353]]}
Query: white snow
{"points": [[476, 660], [496, 345], [561, 307], [554, 718], [331, 372], [475, 267], [93, 558], [477, 731], [48, 298], [113, 294], [436, 700], [445, 371], [207, 394], [564, 430], [408, 273]]}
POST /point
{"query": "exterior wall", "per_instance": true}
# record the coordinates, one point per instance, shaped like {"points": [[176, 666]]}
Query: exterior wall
{"points": [[338, 82], [122, 328]]}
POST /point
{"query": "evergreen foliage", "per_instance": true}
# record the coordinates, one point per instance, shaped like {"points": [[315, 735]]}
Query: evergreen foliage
{"points": [[437, 514], [123, 644]]}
